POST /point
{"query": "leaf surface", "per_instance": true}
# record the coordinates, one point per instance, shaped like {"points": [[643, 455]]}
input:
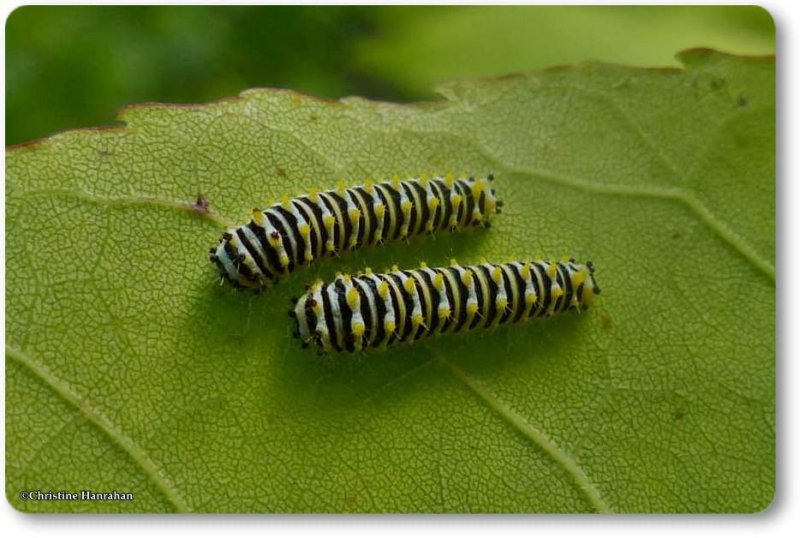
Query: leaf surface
{"points": [[129, 368]]}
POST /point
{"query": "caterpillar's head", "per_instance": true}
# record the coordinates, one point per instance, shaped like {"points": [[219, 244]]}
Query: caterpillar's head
{"points": [[235, 263], [590, 287], [305, 312]]}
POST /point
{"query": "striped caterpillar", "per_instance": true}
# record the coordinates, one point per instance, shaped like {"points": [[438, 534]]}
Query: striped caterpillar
{"points": [[375, 310], [300, 230]]}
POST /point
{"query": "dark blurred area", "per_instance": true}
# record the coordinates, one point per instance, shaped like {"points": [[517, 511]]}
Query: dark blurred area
{"points": [[75, 66]]}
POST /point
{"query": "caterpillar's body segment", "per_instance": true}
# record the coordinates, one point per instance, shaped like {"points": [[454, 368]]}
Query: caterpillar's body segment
{"points": [[300, 230], [375, 310]]}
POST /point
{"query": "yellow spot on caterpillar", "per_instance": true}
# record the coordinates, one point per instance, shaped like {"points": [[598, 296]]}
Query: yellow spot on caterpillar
{"points": [[423, 265], [340, 186], [444, 312], [466, 277], [369, 185], [578, 278], [453, 262], [353, 299], [259, 218], [368, 271], [406, 206], [556, 292], [358, 329], [501, 303], [380, 210], [477, 188], [353, 241], [424, 177], [453, 221], [354, 214], [526, 271], [449, 179], [457, 199], [317, 308], [416, 320], [409, 285], [530, 298], [383, 290], [389, 325], [329, 246], [285, 202], [284, 259], [394, 268], [329, 220], [378, 237], [477, 216], [309, 256], [274, 239], [305, 229], [396, 181], [497, 274], [438, 281], [472, 308], [313, 194], [433, 203], [551, 270]]}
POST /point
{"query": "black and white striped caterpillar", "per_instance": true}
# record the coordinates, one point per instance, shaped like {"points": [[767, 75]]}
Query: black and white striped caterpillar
{"points": [[375, 310], [300, 230]]}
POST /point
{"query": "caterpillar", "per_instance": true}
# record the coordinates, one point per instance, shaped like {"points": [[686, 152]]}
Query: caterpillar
{"points": [[300, 230], [375, 310]]}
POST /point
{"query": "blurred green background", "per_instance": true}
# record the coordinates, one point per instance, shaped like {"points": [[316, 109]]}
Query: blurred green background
{"points": [[69, 67]]}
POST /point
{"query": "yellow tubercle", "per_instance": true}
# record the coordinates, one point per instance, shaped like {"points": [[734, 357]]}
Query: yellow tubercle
{"points": [[578, 278], [389, 325], [358, 329], [466, 277], [551, 270], [453, 262], [352, 242], [423, 265], [530, 298], [526, 271], [309, 256], [259, 218], [354, 214], [456, 199], [305, 230], [409, 286], [353, 298], [416, 320], [497, 274], [472, 308], [313, 194], [477, 215], [340, 186], [383, 290], [449, 179], [438, 281], [396, 181], [424, 177], [380, 210], [477, 188], [433, 203], [501, 303], [394, 268], [329, 246], [444, 312], [285, 202], [378, 237], [329, 220], [406, 206], [556, 292], [284, 259]]}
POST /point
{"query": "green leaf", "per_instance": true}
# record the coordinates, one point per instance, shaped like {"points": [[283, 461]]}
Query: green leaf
{"points": [[130, 368]]}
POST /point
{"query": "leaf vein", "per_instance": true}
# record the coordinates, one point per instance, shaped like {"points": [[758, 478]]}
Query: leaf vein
{"points": [[93, 416]]}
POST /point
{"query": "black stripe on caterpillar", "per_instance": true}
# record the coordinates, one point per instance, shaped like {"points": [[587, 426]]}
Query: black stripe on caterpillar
{"points": [[300, 230], [376, 310]]}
